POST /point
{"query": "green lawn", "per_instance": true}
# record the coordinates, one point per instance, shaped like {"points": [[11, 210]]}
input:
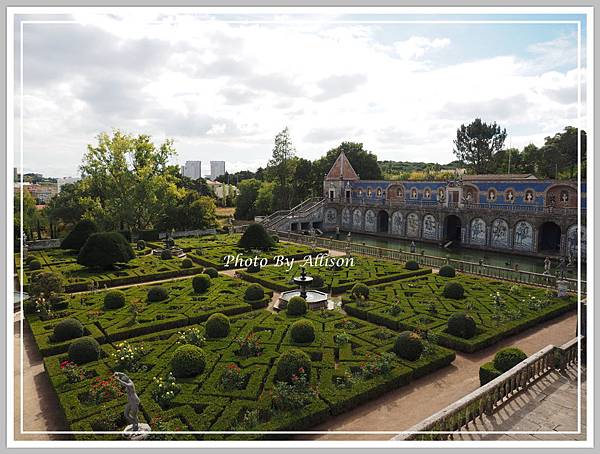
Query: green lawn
{"points": [[204, 404]]}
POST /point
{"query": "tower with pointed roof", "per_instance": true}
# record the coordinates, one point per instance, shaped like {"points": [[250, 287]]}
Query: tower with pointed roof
{"points": [[338, 178]]}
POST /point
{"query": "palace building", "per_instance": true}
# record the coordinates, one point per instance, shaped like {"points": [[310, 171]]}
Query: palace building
{"points": [[509, 212]]}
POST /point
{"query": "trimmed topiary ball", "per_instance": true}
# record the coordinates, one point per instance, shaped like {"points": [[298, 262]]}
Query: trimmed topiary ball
{"points": [[157, 293], [141, 245], [84, 350], [256, 237], [317, 282], [201, 282], [217, 326], [507, 358], [35, 264], [69, 328], [447, 271], [291, 363], [411, 265], [254, 293], [275, 238], [45, 282], [188, 361], [360, 290], [187, 263], [408, 345], [454, 290], [302, 331], [253, 268], [297, 306], [166, 254], [103, 250], [461, 325], [114, 299], [212, 272], [79, 235]]}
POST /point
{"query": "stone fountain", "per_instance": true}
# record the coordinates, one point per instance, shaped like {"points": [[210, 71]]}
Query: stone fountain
{"points": [[169, 245], [314, 298]]}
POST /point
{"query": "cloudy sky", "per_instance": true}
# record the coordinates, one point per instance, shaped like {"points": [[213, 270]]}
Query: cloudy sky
{"points": [[222, 86]]}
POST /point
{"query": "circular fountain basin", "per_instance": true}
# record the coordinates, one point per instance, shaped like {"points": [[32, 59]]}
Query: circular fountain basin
{"points": [[175, 252], [314, 298]]}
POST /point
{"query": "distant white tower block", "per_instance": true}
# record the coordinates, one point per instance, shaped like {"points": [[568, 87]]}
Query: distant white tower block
{"points": [[217, 168], [192, 169]]}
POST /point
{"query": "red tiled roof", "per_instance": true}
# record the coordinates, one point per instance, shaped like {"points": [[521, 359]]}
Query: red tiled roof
{"points": [[342, 170]]}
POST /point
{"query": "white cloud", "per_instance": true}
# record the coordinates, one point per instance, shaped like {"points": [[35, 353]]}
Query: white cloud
{"points": [[227, 89]]}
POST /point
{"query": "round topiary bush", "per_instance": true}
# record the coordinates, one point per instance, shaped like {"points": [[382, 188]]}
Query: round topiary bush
{"points": [[254, 293], [29, 306], [317, 282], [187, 361], [256, 237], [411, 265], [297, 306], [103, 250], [141, 245], [114, 299], [166, 254], [253, 268], [69, 328], [275, 238], [157, 293], [447, 271], [360, 290], [408, 345], [507, 358], [201, 282], [84, 350], [212, 272], [302, 331], [461, 325], [79, 235], [217, 326], [35, 264], [187, 263], [291, 363], [454, 290]]}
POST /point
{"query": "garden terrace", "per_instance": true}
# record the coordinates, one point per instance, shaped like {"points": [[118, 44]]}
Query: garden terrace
{"points": [[183, 307], [145, 267], [418, 304], [49, 257], [211, 250], [346, 374], [335, 280]]}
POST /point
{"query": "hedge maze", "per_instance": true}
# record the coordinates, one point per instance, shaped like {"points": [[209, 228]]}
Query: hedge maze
{"points": [[499, 309], [394, 330], [335, 279], [204, 403]]}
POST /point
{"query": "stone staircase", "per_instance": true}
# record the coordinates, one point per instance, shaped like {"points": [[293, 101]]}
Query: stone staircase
{"points": [[301, 211]]}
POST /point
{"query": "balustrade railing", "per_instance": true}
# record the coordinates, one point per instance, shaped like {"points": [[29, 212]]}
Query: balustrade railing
{"points": [[480, 269], [488, 397]]}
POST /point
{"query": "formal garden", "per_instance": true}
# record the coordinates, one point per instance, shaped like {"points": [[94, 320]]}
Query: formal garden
{"points": [[206, 355]]}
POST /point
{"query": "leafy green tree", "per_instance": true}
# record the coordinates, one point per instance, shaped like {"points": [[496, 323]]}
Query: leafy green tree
{"points": [[281, 167], [302, 188], [245, 202], [265, 198], [131, 178], [477, 143], [560, 153]]}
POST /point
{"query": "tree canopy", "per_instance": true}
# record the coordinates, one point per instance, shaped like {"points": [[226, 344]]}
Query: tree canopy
{"points": [[477, 143]]}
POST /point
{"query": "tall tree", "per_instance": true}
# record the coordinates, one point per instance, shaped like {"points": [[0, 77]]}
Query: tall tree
{"points": [[246, 200], [131, 178], [281, 165], [477, 143]]}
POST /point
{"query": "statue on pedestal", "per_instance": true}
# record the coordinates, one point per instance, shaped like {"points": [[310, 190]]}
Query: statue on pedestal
{"points": [[135, 430], [547, 264]]}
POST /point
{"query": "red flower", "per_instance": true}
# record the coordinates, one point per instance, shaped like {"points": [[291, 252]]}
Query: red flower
{"points": [[301, 370], [65, 363]]}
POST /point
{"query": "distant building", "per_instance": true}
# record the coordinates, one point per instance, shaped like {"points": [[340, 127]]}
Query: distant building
{"points": [[217, 168], [192, 169], [60, 182], [222, 190], [42, 192]]}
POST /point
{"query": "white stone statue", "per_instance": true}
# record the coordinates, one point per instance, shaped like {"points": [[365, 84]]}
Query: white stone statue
{"points": [[132, 408]]}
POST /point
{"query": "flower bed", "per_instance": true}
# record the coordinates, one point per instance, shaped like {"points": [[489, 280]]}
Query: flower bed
{"points": [[139, 316], [335, 280], [237, 391], [499, 309]]}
